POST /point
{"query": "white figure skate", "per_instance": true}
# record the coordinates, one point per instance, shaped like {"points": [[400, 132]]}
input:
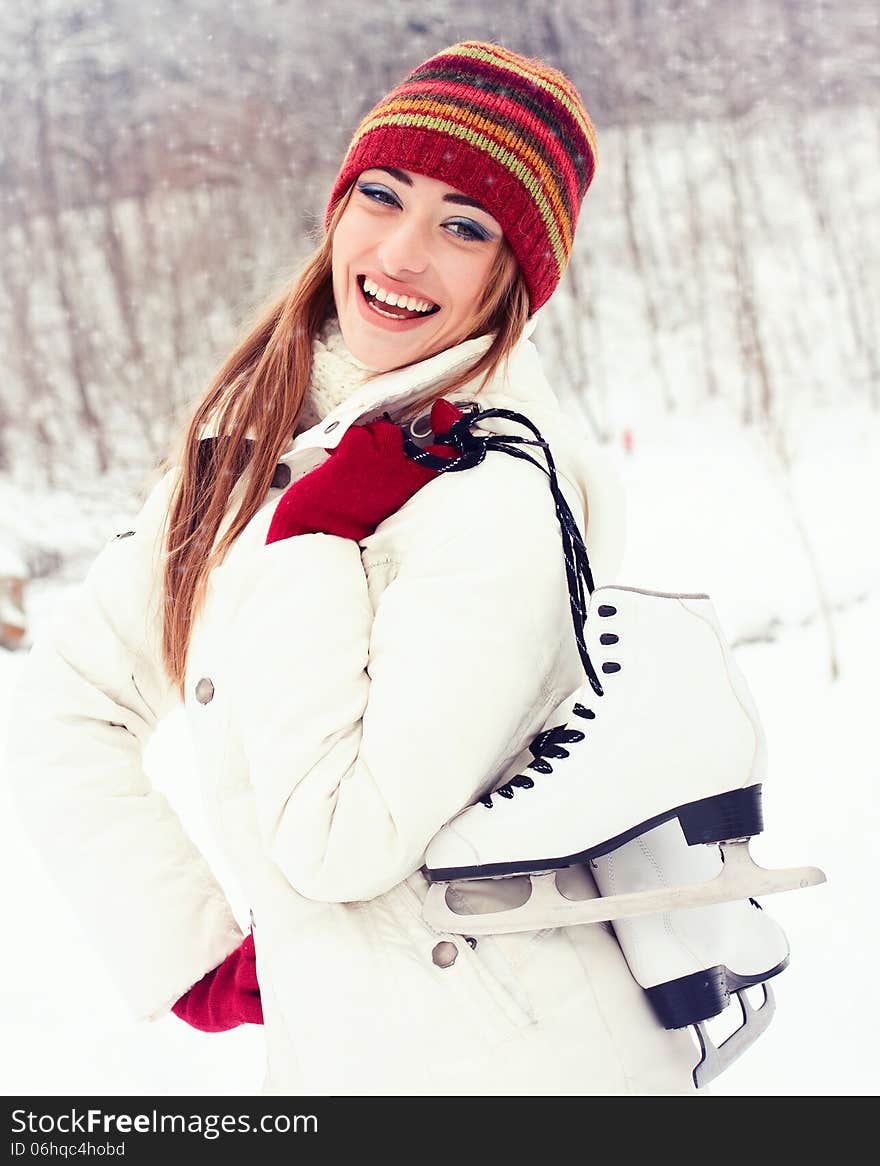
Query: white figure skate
{"points": [[675, 735], [692, 962], [683, 914]]}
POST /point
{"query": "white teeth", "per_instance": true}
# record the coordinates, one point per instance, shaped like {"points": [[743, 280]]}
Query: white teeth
{"points": [[386, 297], [375, 308]]}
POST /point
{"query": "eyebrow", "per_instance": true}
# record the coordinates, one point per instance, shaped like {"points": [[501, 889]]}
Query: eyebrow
{"points": [[458, 199]]}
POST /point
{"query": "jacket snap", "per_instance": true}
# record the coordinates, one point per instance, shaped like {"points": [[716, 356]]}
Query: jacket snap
{"points": [[444, 954], [421, 427], [281, 477], [204, 691]]}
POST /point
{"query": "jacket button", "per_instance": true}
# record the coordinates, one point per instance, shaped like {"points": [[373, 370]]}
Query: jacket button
{"points": [[444, 954], [204, 691], [281, 477], [329, 428]]}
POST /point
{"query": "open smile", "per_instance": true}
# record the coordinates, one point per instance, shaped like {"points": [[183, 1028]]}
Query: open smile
{"points": [[375, 305]]}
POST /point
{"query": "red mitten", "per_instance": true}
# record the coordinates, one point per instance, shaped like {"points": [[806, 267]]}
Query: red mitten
{"points": [[226, 997], [366, 478]]}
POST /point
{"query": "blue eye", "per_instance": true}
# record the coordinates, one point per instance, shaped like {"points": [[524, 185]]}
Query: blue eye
{"points": [[466, 228], [379, 194], [474, 232]]}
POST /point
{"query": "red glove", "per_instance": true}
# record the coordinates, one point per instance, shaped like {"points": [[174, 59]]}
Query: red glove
{"points": [[226, 997], [366, 478]]}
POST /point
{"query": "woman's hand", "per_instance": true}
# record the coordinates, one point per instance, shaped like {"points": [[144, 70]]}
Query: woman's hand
{"points": [[364, 481], [226, 997]]}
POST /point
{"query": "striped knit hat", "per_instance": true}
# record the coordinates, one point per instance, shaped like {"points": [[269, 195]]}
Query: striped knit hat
{"points": [[509, 131]]}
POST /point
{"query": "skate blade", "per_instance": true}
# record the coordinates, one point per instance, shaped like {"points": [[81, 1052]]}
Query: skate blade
{"points": [[715, 1059], [740, 878]]}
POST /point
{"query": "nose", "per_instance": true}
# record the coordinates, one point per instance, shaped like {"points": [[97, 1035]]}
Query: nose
{"points": [[405, 246]]}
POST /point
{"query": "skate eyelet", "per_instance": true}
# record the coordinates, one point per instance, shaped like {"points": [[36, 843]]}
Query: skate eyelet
{"points": [[610, 666], [605, 609], [608, 638]]}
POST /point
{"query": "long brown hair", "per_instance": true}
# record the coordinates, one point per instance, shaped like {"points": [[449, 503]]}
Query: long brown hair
{"points": [[251, 408]]}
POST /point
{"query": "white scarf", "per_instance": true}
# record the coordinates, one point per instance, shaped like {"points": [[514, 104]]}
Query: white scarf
{"points": [[336, 374]]}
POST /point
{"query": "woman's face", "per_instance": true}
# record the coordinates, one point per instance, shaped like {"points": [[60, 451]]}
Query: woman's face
{"points": [[409, 236]]}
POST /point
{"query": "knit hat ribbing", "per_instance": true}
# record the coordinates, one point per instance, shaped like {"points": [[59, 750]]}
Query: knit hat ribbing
{"points": [[509, 131]]}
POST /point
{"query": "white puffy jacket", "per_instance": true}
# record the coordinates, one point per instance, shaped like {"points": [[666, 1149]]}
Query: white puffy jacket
{"points": [[346, 700]]}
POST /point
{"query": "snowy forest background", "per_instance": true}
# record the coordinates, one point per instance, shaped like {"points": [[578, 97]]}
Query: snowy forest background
{"points": [[164, 167]]}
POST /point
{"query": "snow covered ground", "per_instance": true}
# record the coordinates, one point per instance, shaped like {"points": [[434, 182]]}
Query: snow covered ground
{"points": [[707, 512]]}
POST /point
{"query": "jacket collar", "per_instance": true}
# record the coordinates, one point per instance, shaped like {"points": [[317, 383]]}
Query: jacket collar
{"points": [[594, 482], [394, 390], [524, 382]]}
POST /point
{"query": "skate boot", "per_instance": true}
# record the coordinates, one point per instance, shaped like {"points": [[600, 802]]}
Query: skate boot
{"points": [[691, 962], [673, 736]]}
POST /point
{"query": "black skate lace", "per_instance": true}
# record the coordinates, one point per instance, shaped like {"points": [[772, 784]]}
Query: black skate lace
{"points": [[548, 743], [472, 449]]}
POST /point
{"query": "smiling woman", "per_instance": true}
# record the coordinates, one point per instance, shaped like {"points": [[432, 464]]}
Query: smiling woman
{"points": [[401, 244], [363, 642]]}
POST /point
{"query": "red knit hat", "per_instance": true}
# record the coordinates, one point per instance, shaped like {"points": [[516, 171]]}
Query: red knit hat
{"points": [[507, 130]]}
